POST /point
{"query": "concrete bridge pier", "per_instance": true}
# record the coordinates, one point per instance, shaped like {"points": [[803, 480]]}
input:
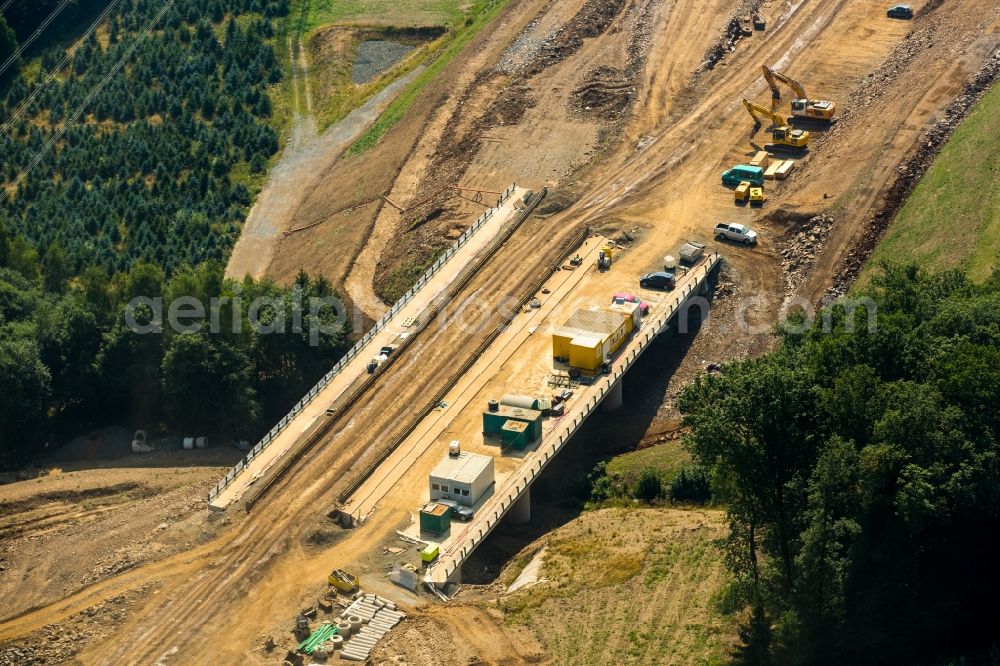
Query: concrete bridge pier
{"points": [[520, 512], [613, 400]]}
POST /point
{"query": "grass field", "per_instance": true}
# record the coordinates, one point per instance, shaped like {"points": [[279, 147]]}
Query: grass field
{"points": [[383, 12], [952, 219], [629, 586], [665, 459]]}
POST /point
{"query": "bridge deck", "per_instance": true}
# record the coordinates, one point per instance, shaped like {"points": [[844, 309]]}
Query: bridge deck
{"points": [[356, 369], [519, 361]]}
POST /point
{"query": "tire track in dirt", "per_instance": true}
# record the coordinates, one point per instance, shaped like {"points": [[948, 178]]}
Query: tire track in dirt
{"points": [[639, 172], [361, 275], [313, 483], [252, 549], [265, 555]]}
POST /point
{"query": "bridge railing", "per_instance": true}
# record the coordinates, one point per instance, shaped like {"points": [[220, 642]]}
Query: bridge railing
{"points": [[361, 344], [515, 484]]}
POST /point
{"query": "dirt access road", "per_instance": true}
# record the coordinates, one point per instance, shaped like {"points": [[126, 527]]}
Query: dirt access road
{"points": [[307, 156], [217, 603]]}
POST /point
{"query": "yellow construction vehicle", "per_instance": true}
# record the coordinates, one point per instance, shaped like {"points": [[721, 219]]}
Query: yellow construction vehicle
{"points": [[344, 581], [802, 106], [781, 133]]}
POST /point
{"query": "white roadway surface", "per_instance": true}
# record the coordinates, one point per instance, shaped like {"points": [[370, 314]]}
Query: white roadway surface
{"points": [[358, 367]]}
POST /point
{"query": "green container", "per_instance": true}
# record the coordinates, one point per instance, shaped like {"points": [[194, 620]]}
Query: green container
{"points": [[493, 422], [435, 518], [534, 432], [514, 434]]}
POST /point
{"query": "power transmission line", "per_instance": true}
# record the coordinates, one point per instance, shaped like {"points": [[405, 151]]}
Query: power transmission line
{"points": [[52, 75], [75, 116], [35, 35]]}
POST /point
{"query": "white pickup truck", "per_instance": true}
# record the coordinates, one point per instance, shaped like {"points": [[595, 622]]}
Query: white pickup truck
{"points": [[736, 232]]}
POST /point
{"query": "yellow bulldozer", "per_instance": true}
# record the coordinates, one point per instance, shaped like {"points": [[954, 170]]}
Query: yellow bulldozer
{"points": [[781, 133], [802, 106]]}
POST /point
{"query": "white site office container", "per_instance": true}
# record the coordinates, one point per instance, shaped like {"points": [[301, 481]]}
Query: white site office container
{"points": [[464, 478]]}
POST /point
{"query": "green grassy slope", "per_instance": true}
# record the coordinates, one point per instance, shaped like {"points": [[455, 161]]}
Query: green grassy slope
{"points": [[384, 12], [952, 219]]}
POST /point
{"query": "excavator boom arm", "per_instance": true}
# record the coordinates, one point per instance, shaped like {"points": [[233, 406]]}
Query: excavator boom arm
{"points": [[773, 76], [755, 109]]}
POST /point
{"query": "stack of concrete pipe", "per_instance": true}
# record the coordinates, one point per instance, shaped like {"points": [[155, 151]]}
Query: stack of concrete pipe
{"points": [[368, 619]]}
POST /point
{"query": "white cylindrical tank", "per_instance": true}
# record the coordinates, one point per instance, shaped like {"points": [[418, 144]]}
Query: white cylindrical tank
{"points": [[669, 262], [188, 443], [454, 448], [522, 401], [201, 442]]}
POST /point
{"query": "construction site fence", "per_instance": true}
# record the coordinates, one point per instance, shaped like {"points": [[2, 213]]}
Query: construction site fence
{"points": [[516, 484], [361, 344]]}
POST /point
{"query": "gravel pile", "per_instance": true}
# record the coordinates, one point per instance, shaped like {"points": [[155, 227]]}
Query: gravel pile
{"points": [[522, 51], [374, 57], [732, 33]]}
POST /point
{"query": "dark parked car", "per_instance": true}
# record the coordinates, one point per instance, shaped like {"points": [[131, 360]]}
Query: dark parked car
{"points": [[459, 511], [900, 12], [658, 280]]}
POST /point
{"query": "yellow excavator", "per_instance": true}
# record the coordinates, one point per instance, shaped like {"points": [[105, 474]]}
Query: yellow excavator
{"points": [[802, 106], [781, 133]]}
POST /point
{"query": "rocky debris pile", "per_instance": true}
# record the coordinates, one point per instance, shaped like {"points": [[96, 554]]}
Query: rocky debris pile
{"points": [[639, 24], [510, 106], [606, 93], [928, 8], [909, 173], [723, 289], [732, 33], [674, 435], [890, 71], [593, 19], [726, 44], [523, 51], [627, 236], [800, 247], [122, 560]]}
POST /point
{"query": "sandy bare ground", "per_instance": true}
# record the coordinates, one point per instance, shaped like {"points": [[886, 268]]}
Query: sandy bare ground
{"points": [[218, 601], [87, 519]]}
